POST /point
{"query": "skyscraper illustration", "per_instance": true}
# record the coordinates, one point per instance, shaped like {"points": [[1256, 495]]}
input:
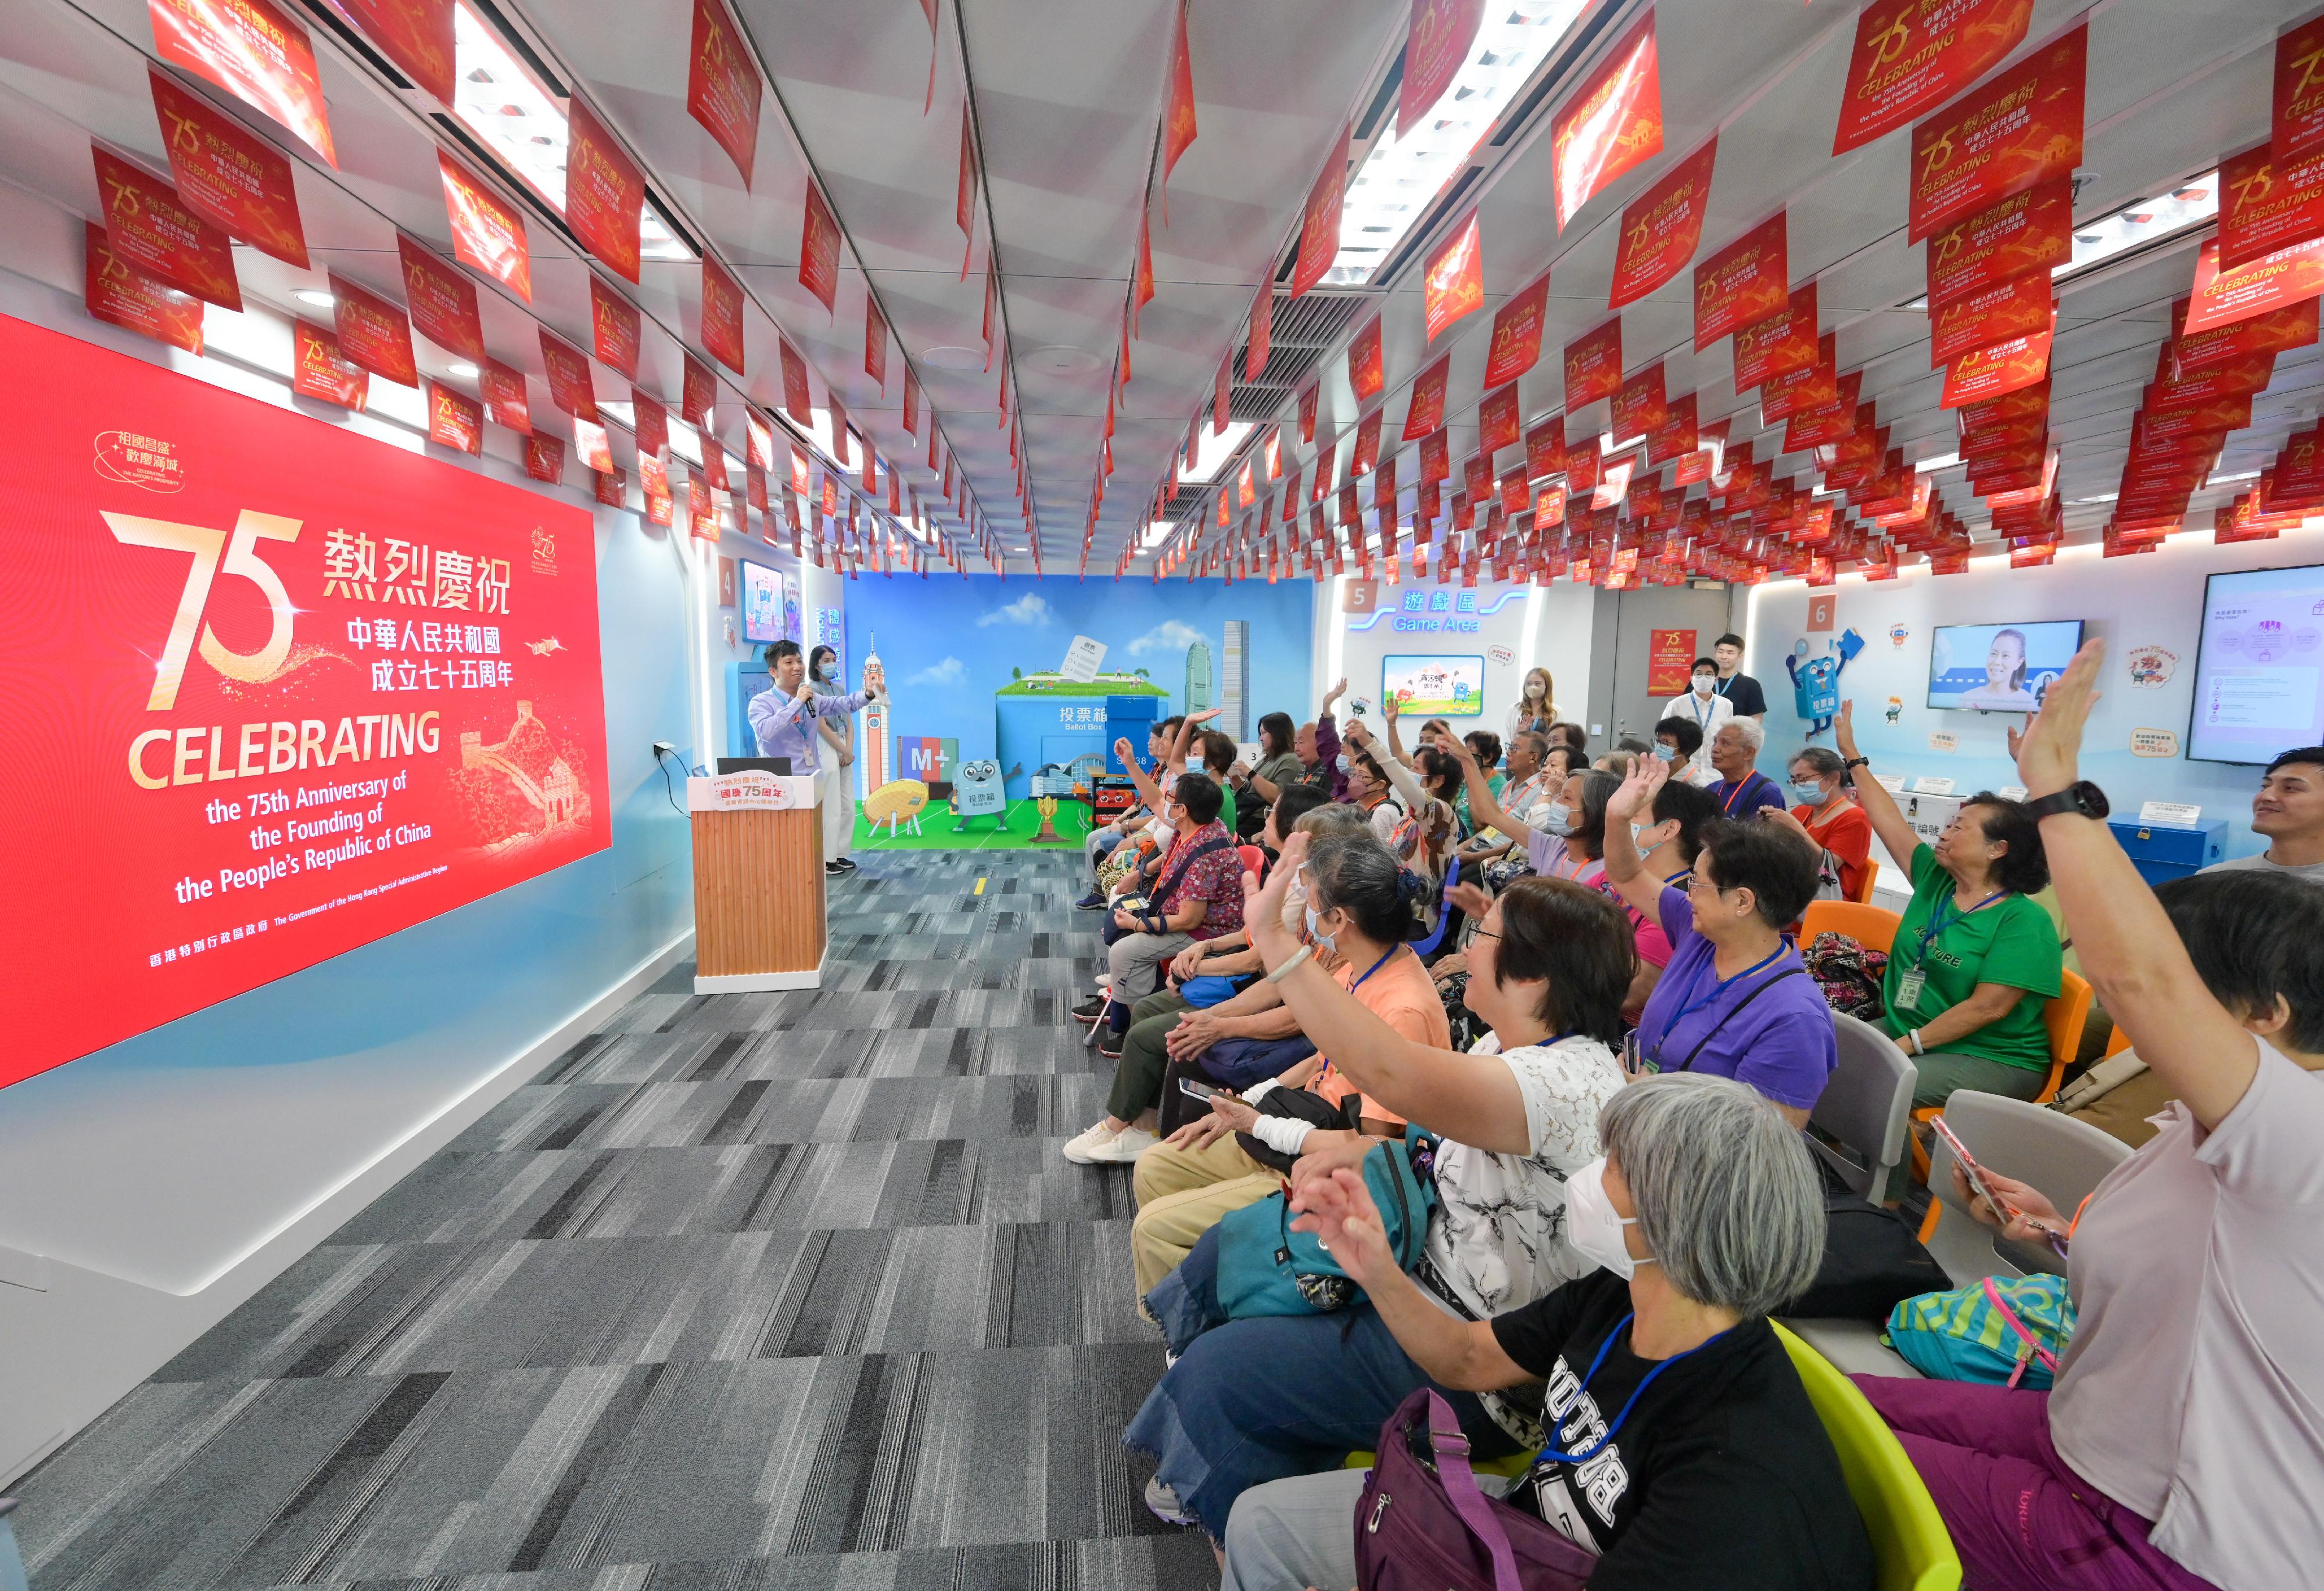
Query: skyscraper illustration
{"points": [[876, 754], [1198, 677], [1235, 682]]}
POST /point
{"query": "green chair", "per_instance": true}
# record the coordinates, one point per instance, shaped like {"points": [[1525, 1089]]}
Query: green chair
{"points": [[1909, 1542], [1507, 1468]]}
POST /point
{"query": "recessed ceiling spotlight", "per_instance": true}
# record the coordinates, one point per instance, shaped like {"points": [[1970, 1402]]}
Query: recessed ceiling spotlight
{"points": [[461, 367], [315, 296], [950, 356]]}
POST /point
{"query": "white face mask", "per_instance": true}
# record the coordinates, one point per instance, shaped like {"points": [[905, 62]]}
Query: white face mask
{"points": [[1592, 1224], [1703, 682]]}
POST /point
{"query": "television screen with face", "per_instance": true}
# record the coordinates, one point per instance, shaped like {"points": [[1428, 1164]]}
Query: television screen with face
{"points": [[1999, 667]]}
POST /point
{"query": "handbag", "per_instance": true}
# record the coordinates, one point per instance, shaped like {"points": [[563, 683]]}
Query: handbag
{"points": [[1872, 1261], [1149, 915], [2005, 1331], [1266, 1268], [1423, 1525]]}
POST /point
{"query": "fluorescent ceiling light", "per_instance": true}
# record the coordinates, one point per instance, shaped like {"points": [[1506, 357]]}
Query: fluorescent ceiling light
{"points": [[1158, 531], [315, 296], [2238, 475], [1398, 181], [1944, 460], [2101, 497], [496, 98], [2193, 203], [1211, 451], [461, 367]]}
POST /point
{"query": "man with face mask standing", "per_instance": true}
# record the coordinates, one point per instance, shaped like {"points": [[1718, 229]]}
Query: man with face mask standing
{"points": [[1707, 710], [783, 717]]}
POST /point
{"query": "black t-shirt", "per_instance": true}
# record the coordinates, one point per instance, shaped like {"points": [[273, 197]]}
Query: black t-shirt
{"points": [[1722, 1475], [1744, 692]]}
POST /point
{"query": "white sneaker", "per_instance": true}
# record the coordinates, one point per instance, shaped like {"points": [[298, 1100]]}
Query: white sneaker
{"points": [[1086, 1148], [1119, 1148], [1105, 981], [1164, 1504]]}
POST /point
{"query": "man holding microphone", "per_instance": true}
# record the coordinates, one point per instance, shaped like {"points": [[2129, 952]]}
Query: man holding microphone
{"points": [[783, 717]]}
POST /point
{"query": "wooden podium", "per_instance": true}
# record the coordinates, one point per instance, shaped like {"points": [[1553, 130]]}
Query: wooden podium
{"points": [[758, 883]]}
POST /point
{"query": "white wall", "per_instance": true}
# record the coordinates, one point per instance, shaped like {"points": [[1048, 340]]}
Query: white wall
{"points": [[2154, 599], [1545, 626], [148, 1189]]}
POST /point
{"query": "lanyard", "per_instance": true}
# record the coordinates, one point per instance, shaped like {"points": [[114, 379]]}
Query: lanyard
{"points": [[1702, 712], [1375, 967], [1723, 684], [1551, 1450], [1719, 985], [1938, 922], [1737, 792]]}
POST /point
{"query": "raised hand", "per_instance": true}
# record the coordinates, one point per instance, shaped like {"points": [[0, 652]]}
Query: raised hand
{"points": [[1843, 730], [1262, 906], [2045, 752], [1647, 776], [1472, 900], [1388, 708], [1335, 694], [1127, 752]]}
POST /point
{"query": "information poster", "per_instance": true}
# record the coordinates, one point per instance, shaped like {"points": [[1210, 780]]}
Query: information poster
{"points": [[1429, 687], [1670, 661], [288, 689]]}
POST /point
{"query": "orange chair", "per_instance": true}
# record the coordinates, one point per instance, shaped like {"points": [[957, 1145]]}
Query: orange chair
{"points": [[2064, 1017], [1863, 896], [1868, 925], [2119, 1043], [1254, 861]]}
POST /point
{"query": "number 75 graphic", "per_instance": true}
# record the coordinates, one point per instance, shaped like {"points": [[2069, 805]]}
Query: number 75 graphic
{"points": [[241, 559]]}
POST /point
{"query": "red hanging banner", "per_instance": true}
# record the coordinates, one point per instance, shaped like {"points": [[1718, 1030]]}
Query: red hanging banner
{"points": [[1262, 331], [615, 324], [2292, 326], [570, 387], [442, 301], [147, 226], [417, 35], [373, 332], [120, 293], [796, 400], [1517, 333], [1912, 54], [1546, 448], [605, 191], [1179, 115], [1662, 228], [722, 315], [1639, 406], [2013, 308], [1319, 222], [544, 459], [1991, 373], [2299, 107], [1612, 123], [1365, 374], [613, 487], [1743, 283], [1307, 413], [255, 51], [318, 370], [698, 392], [234, 180], [1435, 46], [1497, 419], [723, 88], [1426, 412], [487, 234], [453, 419], [2265, 205], [2021, 129], [963, 203], [1453, 283], [507, 400], [1594, 365], [818, 266], [2028, 232], [2271, 282], [650, 425], [1781, 344]]}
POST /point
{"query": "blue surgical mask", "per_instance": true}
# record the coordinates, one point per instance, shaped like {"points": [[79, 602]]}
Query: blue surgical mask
{"points": [[1345, 763], [1322, 941], [1639, 839], [1667, 753], [1810, 794], [1556, 818]]}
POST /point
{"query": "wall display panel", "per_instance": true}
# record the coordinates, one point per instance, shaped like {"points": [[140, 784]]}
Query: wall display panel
{"points": [[2259, 668], [282, 691]]}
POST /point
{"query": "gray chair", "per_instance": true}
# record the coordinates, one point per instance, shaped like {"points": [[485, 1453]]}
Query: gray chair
{"points": [[1858, 1128], [2062, 1157], [1859, 1125]]}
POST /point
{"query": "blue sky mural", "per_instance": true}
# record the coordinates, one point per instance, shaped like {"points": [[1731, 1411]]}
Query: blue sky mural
{"points": [[949, 644]]}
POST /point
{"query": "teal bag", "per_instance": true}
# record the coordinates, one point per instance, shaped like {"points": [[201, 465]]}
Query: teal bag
{"points": [[1266, 1268], [1204, 992], [2004, 1331]]}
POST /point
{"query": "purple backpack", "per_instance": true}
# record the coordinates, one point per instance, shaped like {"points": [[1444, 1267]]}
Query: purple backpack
{"points": [[1423, 1525]]}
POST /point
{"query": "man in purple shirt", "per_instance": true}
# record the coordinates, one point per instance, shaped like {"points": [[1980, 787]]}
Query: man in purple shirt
{"points": [[783, 717], [1735, 1001]]}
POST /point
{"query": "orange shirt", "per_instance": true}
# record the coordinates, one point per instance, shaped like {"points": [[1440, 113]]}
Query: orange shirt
{"points": [[1848, 836], [1401, 994]]}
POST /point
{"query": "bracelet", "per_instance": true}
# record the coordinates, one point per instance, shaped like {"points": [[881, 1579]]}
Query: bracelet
{"points": [[1280, 973], [1915, 1036]]}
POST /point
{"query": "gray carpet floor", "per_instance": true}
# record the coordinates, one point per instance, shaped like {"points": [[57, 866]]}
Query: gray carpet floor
{"points": [[743, 1291]]}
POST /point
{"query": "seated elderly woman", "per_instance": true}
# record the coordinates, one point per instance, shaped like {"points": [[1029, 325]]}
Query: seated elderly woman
{"points": [[1253, 1400], [1198, 895], [1564, 837], [1682, 1452], [1678, 741], [2180, 1445], [1156, 1020], [1735, 1001], [1668, 836], [1361, 907]]}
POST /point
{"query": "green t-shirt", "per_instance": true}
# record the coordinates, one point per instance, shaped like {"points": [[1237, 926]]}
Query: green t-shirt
{"points": [[2011, 941], [1226, 806], [1282, 770]]}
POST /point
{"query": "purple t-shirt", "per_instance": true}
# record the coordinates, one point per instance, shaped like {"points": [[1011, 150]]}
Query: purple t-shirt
{"points": [[1781, 1043], [1746, 797]]}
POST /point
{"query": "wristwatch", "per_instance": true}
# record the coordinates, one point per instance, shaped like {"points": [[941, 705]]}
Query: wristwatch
{"points": [[1855, 762], [2081, 799]]}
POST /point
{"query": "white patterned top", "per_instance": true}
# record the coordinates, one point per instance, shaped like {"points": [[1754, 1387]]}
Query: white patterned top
{"points": [[1498, 1239]]}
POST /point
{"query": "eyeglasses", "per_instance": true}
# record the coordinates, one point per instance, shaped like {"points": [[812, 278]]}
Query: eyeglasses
{"points": [[1695, 881], [1487, 934]]}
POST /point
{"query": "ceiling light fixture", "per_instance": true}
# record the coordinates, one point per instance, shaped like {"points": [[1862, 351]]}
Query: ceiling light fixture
{"points": [[2193, 204], [1944, 460], [461, 367], [315, 296], [1375, 214], [499, 100], [1211, 451]]}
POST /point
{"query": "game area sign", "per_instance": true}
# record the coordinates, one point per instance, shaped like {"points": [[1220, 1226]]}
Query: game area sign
{"points": [[290, 689]]}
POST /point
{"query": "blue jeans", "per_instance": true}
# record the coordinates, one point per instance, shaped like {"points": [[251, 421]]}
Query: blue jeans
{"points": [[1254, 1401]]}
